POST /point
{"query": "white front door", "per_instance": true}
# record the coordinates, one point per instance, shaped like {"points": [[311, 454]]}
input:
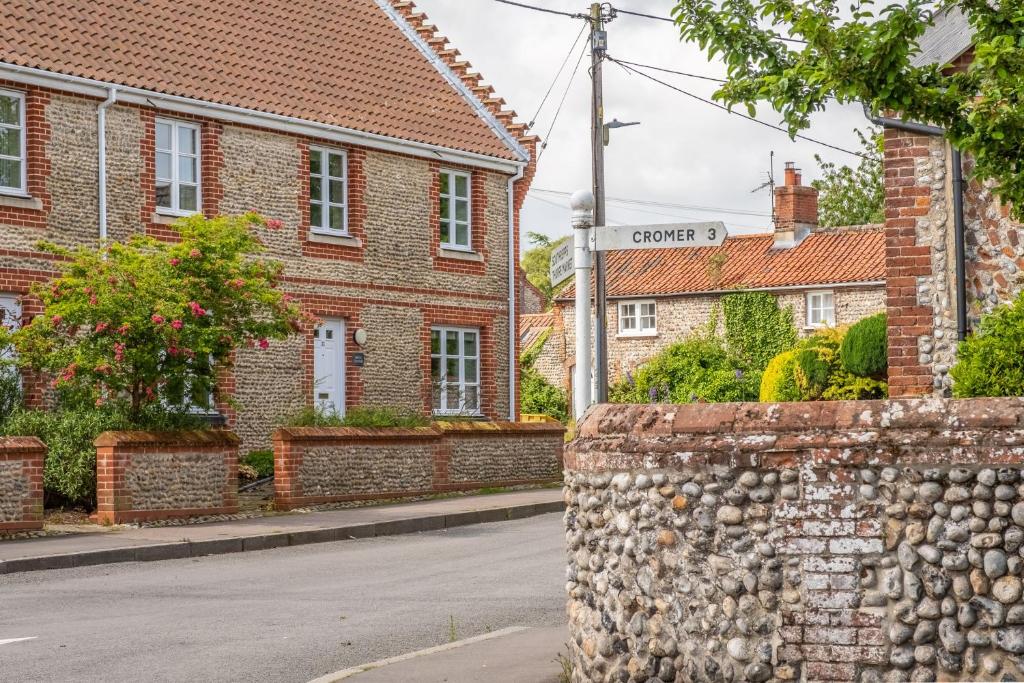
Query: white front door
{"points": [[329, 366]]}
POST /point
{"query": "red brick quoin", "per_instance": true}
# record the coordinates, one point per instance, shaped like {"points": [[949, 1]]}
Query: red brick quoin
{"points": [[21, 483], [142, 476]]}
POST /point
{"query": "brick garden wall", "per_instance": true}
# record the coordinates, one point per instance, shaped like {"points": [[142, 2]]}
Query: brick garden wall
{"points": [[143, 476], [21, 483], [314, 465], [845, 541]]}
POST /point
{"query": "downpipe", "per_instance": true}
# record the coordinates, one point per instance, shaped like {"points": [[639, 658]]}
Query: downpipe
{"points": [[101, 127]]}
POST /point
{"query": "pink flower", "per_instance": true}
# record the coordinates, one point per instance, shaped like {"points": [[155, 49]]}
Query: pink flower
{"points": [[99, 401], [93, 300], [118, 351], [157, 319], [195, 253], [264, 344], [56, 320], [103, 369], [175, 261], [275, 223], [101, 326], [196, 309], [123, 330], [172, 350], [176, 324]]}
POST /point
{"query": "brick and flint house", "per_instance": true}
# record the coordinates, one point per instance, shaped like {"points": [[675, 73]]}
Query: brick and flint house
{"points": [[396, 172], [657, 297]]}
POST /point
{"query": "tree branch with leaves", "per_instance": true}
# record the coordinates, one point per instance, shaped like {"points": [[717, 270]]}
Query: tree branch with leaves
{"points": [[799, 56]]}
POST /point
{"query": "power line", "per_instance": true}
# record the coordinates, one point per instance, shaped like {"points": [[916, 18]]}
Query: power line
{"points": [[666, 205], [672, 21], [558, 75], [673, 71], [565, 93], [735, 113], [543, 9]]}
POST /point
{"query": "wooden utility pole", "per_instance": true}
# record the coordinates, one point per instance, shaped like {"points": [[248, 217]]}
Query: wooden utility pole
{"points": [[598, 47]]}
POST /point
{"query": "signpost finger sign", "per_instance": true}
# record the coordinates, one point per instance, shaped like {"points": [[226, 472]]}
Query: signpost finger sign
{"points": [[666, 236], [562, 266]]}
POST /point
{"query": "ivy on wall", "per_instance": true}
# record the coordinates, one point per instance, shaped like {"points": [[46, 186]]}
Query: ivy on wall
{"points": [[756, 328]]}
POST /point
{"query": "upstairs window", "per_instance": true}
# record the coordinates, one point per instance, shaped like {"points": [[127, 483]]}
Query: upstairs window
{"points": [[178, 185], [821, 309], [455, 211], [13, 156], [638, 318], [328, 191], [455, 370]]}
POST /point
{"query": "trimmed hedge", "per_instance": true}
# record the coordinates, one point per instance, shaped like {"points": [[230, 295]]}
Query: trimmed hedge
{"points": [[864, 351]]}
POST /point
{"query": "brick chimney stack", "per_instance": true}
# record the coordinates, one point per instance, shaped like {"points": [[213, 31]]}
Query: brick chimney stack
{"points": [[796, 210]]}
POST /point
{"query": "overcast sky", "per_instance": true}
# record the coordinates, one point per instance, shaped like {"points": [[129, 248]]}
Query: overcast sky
{"points": [[684, 151]]}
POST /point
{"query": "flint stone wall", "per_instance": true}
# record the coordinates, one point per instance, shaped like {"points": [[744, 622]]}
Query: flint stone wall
{"points": [[21, 483], [142, 476], [846, 541], [314, 465]]}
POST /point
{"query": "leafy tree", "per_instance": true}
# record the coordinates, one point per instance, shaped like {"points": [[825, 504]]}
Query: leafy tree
{"points": [[536, 262], [152, 322], [852, 196], [865, 56]]}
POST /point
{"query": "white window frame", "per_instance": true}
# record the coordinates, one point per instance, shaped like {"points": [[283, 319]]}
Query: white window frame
{"points": [[638, 330], [22, 189], [177, 125], [10, 305], [453, 200], [326, 201], [815, 302], [443, 358]]}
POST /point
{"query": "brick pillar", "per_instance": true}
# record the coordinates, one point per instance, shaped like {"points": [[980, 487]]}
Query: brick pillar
{"points": [[907, 200]]}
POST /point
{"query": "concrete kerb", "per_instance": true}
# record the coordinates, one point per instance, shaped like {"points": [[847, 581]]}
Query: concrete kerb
{"points": [[185, 548]]}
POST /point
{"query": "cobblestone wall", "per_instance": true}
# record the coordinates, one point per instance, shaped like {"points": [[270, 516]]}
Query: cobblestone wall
{"points": [[849, 541], [142, 476], [21, 483], [324, 465]]}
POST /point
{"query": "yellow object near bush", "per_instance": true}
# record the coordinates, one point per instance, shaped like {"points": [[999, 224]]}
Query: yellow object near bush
{"points": [[778, 383]]}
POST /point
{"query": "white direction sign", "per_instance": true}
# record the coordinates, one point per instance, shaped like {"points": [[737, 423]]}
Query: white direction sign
{"points": [[665, 236], [562, 263]]}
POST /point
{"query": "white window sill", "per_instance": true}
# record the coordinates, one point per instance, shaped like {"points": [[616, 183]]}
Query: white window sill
{"points": [[470, 416], [164, 218], [636, 335], [340, 240], [21, 201], [172, 213], [460, 255]]}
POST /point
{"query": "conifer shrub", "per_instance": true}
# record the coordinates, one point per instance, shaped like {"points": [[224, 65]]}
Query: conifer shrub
{"points": [[864, 351]]}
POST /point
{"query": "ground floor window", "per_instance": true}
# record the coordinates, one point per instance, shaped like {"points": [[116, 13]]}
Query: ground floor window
{"points": [[329, 366], [455, 370], [10, 318], [821, 309], [638, 318]]}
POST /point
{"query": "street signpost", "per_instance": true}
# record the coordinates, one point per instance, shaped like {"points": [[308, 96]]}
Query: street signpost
{"points": [[665, 236], [613, 238], [561, 268]]}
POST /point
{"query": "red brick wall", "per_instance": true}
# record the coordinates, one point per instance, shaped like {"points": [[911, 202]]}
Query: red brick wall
{"points": [[907, 200], [143, 476], [375, 464], [21, 469]]}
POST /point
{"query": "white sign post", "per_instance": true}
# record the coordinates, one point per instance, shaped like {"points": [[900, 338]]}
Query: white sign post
{"points": [[589, 239], [561, 268], [582, 204], [666, 236]]}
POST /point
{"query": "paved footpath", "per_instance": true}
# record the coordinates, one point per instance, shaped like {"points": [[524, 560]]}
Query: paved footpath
{"points": [[196, 540], [294, 615]]}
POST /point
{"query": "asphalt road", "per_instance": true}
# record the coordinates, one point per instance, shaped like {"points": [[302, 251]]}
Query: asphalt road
{"points": [[289, 614]]}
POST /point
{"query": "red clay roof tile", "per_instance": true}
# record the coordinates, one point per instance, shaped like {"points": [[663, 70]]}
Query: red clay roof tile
{"points": [[748, 262], [343, 63]]}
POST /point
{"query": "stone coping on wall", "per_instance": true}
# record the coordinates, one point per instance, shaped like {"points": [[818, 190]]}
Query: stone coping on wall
{"points": [[434, 431], [497, 428], [133, 439], [927, 431], [15, 445]]}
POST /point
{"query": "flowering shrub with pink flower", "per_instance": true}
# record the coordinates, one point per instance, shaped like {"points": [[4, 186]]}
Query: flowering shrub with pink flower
{"points": [[154, 322]]}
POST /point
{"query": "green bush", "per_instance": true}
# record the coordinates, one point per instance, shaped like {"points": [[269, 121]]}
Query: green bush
{"points": [[990, 362], [358, 416], [540, 397], [845, 386], [778, 383], [864, 351], [260, 461], [10, 392], [313, 416], [69, 472], [698, 369], [756, 329]]}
